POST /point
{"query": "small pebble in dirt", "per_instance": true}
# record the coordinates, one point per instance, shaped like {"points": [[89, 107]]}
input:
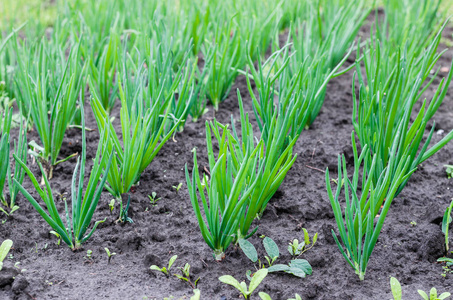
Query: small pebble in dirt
{"points": [[20, 283], [7, 275], [158, 237], [151, 259]]}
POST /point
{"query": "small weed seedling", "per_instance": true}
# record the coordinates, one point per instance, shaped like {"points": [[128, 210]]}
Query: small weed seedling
{"points": [[257, 278], [165, 270], [449, 170], [296, 267], [396, 288], [296, 248], [178, 187], [447, 267], [89, 253], [4, 249], [398, 294], [109, 254], [433, 295], [186, 276], [112, 205], [265, 296], [57, 235], [446, 223], [153, 199]]}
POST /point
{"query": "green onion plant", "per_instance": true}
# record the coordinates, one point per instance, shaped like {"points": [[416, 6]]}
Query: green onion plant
{"points": [[148, 121], [226, 49], [358, 239], [20, 149], [49, 92], [242, 180], [389, 93], [73, 231]]}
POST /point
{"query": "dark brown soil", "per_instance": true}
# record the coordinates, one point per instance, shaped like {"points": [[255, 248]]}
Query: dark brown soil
{"points": [[407, 252]]}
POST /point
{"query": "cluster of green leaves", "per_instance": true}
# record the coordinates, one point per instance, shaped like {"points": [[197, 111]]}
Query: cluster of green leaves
{"points": [[48, 87], [20, 149], [242, 287], [396, 76], [388, 94], [358, 230], [83, 204], [150, 115], [320, 42], [398, 293], [226, 49], [296, 267], [4, 249], [421, 20], [185, 271], [243, 178]]}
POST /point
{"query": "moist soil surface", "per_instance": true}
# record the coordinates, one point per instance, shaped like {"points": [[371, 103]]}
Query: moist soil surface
{"points": [[408, 247]]}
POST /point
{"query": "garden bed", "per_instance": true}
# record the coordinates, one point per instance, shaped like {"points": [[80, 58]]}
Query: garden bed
{"points": [[408, 247]]}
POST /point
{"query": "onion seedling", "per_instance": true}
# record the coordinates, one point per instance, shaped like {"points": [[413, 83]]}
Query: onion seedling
{"points": [[83, 204], [358, 230]]}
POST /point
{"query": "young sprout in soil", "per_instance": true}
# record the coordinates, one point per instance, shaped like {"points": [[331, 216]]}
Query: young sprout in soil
{"points": [[196, 295], [269, 245], [165, 270], [449, 170], [433, 295], [152, 199], [72, 232], [178, 187], [186, 276], [295, 248], [89, 253], [447, 267], [257, 278], [57, 235], [112, 205], [109, 254], [398, 293], [446, 223], [265, 296], [296, 267], [124, 212], [4, 249]]}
